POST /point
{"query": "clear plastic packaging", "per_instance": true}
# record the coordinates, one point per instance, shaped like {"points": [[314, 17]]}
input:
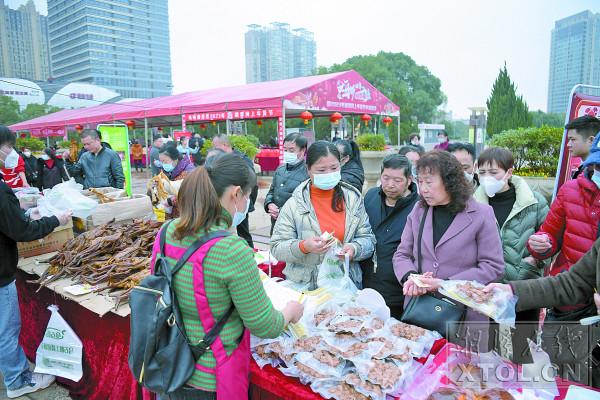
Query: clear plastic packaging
{"points": [[389, 375], [422, 337], [364, 387], [324, 368], [345, 324], [336, 389], [498, 305]]}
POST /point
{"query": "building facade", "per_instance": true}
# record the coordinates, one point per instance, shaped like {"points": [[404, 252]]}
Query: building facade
{"points": [[24, 49], [574, 57], [119, 44], [277, 52]]}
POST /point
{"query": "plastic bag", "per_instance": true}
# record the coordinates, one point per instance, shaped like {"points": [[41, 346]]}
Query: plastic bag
{"points": [[334, 275], [332, 367], [498, 305], [60, 352], [263, 353], [64, 197], [336, 389], [420, 336], [366, 388], [389, 375]]}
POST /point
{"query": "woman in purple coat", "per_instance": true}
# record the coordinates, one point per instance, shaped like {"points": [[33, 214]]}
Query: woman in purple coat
{"points": [[460, 239]]}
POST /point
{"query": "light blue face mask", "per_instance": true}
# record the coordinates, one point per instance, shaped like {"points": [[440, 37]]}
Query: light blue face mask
{"points": [[596, 178], [327, 181], [168, 167], [239, 217]]}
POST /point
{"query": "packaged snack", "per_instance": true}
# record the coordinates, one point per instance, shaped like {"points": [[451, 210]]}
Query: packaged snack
{"points": [[345, 324], [366, 388], [338, 390], [327, 368], [498, 304]]}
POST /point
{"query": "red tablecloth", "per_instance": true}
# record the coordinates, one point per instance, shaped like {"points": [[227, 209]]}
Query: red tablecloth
{"points": [[105, 343], [276, 270], [268, 159], [106, 346]]}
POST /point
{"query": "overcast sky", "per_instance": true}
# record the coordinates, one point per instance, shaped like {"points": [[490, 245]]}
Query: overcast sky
{"points": [[462, 42]]}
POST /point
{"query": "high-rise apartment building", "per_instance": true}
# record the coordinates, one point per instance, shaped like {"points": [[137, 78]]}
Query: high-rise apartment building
{"points": [[24, 50], [574, 57], [120, 44], [277, 52]]}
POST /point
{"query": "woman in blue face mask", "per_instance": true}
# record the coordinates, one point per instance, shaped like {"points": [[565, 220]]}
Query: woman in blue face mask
{"points": [[322, 204], [175, 165], [220, 279]]}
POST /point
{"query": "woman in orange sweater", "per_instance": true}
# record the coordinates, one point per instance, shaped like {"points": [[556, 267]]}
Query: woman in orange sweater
{"points": [[322, 204]]}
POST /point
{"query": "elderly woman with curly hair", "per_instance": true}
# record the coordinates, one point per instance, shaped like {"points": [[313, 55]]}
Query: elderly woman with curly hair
{"points": [[459, 239]]}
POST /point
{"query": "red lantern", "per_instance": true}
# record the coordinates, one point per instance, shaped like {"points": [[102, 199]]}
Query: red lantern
{"points": [[335, 117], [130, 124], [365, 118], [203, 126], [79, 128], [23, 135], [160, 129], [306, 116], [259, 123], [387, 120]]}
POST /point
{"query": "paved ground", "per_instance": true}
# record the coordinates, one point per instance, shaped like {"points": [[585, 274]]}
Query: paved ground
{"points": [[260, 225]]}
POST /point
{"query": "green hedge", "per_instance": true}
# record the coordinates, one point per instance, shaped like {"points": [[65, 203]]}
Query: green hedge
{"points": [[536, 150], [371, 142], [241, 143], [31, 143]]}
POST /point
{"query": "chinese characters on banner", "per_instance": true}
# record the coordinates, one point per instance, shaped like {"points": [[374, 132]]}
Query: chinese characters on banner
{"points": [[232, 115], [46, 132], [280, 137]]}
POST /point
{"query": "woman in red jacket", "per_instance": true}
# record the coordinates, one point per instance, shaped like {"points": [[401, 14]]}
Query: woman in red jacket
{"points": [[571, 227]]}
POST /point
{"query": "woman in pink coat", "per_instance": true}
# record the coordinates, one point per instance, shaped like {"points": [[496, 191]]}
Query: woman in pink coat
{"points": [[460, 239]]}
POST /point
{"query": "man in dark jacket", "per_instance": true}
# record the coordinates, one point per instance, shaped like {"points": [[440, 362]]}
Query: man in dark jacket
{"points": [[99, 165], [388, 207], [16, 227], [287, 176], [51, 170], [243, 230]]}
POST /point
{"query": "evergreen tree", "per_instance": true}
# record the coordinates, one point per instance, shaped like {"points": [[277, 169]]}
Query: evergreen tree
{"points": [[505, 109]]}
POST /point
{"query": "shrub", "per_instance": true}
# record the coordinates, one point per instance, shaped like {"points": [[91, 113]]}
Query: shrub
{"points": [[241, 143], [371, 142], [536, 150], [254, 140], [244, 145], [31, 143]]}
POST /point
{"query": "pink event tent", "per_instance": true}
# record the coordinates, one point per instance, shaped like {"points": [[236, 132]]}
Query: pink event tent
{"points": [[345, 92]]}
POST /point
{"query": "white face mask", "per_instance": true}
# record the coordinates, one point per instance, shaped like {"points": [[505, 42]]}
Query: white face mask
{"points": [[290, 158], [596, 178], [27, 154], [469, 176], [442, 140], [45, 157], [491, 185], [239, 217], [12, 159], [327, 181]]}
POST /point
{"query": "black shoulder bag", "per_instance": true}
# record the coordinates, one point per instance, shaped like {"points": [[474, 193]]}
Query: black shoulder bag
{"points": [[433, 311]]}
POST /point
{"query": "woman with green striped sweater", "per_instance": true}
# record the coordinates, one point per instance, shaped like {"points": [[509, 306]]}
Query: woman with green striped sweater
{"points": [[220, 274]]}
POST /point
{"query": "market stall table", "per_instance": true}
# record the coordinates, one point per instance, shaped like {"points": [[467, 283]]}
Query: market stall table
{"points": [[105, 337], [104, 334]]}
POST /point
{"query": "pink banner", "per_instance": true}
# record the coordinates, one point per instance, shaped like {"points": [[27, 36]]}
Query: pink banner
{"points": [[280, 137], [348, 92], [179, 134], [233, 115], [47, 132]]}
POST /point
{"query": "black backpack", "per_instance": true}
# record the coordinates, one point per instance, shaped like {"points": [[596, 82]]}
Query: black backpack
{"points": [[161, 356]]}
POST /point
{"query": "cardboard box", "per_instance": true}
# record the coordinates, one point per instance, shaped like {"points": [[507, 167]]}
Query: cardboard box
{"points": [[52, 242], [137, 206]]}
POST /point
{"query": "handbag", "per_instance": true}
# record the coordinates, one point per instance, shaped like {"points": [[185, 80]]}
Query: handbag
{"points": [[433, 311]]}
